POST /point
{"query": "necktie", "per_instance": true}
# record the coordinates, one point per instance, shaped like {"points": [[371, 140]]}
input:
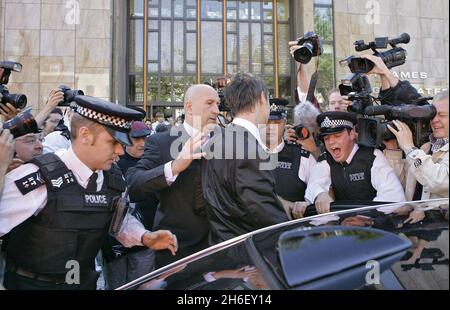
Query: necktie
{"points": [[92, 185]]}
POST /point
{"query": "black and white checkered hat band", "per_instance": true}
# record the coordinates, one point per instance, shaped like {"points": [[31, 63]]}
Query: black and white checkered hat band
{"points": [[327, 123], [104, 119]]}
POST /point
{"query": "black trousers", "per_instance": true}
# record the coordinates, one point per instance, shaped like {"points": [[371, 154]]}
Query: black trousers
{"points": [[13, 281]]}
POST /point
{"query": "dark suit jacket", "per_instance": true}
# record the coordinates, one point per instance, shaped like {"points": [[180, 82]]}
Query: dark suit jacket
{"points": [[176, 211], [241, 195]]}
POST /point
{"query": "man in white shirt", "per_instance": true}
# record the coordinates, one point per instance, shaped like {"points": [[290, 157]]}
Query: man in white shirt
{"points": [[352, 172], [65, 222]]}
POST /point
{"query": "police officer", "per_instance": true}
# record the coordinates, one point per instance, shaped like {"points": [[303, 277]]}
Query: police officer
{"points": [[352, 172], [294, 163], [58, 207]]}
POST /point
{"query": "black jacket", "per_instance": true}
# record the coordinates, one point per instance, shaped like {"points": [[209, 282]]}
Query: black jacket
{"points": [[176, 211], [241, 195]]}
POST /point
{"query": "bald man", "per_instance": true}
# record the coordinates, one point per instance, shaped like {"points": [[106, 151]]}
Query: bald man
{"points": [[170, 168]]}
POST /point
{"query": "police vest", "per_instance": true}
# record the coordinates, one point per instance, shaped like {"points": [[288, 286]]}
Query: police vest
{"points": [[287, 183], [353, 181], [72, 226]]}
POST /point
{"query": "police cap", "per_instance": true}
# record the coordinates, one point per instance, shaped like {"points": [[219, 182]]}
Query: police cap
{"points": [[278, 108], [332, 122], [115, 118]]}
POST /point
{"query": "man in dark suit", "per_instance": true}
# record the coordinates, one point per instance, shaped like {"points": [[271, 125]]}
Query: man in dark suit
{"points": [[237, 179], [171, 169]]}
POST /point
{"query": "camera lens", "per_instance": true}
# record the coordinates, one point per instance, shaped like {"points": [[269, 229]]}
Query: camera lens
{"points": [[69, 95], [304, 54], [23, 124], [19, 101], [361, 65], [356, 107], [302, 132]]}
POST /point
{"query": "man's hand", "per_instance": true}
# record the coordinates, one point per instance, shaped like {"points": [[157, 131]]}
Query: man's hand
{"points": [[298, 209], [388, 79], [323, 203], [161, 240], [8, 111], [293, 46], [380, 67], [191, 151], [289, 134], [6, 149], [403, 134], [56, 96], [240, 273], [414, 217]]}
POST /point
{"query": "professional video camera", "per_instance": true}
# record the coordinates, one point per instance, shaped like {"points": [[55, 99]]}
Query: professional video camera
{"points": [[69, 95], [356, 86], [19, 101], [373, 130], [392, 58], [310, 47], [417, 115]]}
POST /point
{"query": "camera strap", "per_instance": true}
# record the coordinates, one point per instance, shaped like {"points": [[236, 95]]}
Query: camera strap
{"points": [[313, 82], [312, 87]]}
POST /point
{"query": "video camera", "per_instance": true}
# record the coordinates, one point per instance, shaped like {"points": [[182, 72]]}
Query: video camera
{"points": [[372, 129], [392, 58], [19, 101]]}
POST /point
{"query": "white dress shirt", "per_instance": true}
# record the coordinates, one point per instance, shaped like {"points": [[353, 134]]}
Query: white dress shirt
{"points": [[16, 208], [383, 178], [54, 141], [252, 129], [170, 178], [301, 95]]}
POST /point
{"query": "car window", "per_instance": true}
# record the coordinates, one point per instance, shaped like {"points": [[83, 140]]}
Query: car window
{"points": [[234, 265]]}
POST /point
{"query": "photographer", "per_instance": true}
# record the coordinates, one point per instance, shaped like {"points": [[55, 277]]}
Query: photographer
{"points": [[29, 146], [302, 78], [52, 121], [304, 117], [55, 98], [6, 153], [428, 166], [335, 100], [60, 137]]}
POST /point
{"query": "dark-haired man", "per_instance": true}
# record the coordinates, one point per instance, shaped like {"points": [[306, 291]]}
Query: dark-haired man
{"points": [[236, 179]]}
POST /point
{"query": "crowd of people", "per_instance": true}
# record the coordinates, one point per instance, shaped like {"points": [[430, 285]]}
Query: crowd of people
{"points": [[190, 183]]}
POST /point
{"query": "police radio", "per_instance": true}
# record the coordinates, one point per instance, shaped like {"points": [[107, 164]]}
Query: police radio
{"points": [[120, 205]]}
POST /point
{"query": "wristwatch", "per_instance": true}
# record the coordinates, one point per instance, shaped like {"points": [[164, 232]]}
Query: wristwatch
{"points": [[411, 150]]}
